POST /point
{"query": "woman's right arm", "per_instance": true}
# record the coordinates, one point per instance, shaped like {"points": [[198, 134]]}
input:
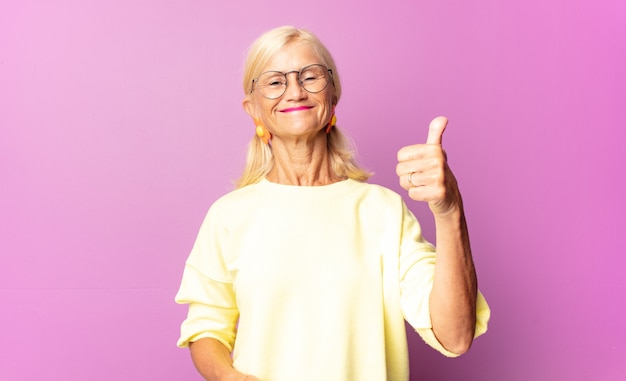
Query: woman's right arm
{"points": [[213, 361]]}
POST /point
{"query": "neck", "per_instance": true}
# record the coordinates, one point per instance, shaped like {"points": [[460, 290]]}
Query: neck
{"points": [[302, 162]]}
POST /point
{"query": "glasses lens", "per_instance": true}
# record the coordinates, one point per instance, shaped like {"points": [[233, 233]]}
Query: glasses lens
{"points": [[271, 84], [314, 78]]}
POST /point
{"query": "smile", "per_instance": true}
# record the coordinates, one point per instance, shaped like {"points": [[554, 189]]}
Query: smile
{"points": [[300, 108]]}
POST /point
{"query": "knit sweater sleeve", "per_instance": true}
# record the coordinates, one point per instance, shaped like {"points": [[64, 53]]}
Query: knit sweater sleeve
{"points": [[417, 268], [208, 288]]}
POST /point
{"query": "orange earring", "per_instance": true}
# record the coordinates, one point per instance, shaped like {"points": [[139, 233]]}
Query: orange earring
{"points": [[262, 132], [332, 123]]}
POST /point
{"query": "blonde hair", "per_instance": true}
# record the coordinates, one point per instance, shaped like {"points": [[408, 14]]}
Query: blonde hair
{"points": [[260, 159]]}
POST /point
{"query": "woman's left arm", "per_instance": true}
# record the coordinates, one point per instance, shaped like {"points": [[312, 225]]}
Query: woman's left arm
{"points": [[424, 173]]}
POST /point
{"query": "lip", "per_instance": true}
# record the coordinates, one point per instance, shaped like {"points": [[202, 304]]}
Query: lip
{"points": [[299, 108]]}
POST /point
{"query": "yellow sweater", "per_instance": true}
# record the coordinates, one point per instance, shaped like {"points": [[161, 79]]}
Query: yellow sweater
{"points": [[312, 283]]}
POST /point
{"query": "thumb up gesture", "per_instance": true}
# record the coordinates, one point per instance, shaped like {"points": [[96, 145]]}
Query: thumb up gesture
{"points": [[423, 171]]}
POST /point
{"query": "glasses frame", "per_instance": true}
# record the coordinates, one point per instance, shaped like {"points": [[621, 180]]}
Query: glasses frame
{"points": [[329, 80]]}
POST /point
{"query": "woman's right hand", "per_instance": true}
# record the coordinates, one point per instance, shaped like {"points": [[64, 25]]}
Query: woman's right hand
{"points": [[213, 361], [237, 376]]}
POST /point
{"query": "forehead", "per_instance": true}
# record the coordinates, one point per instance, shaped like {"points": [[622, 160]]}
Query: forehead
{"points": [[293, 56]]}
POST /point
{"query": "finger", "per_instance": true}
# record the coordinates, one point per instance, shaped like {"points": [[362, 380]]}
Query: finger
{"points": [[417, 166], [408, 153], [409, 180], [435, 130], [413, 152]]}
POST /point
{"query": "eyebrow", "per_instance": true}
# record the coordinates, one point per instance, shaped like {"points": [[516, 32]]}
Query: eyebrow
{"points": [[293, 71]]}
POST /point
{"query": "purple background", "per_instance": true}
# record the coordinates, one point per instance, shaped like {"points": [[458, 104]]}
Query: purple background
{"points": [[121, 122]]}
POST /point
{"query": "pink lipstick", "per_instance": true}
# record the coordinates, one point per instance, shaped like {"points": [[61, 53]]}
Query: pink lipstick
{"points": [[300, 108]]}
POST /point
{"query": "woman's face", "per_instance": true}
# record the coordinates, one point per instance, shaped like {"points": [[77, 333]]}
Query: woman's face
{"points": [[297, 113]]}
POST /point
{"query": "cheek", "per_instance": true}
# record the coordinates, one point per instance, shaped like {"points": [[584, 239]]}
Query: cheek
{"points": [[326, 99], [265, 107]]}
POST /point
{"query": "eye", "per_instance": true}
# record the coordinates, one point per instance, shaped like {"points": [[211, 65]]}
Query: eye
{"points": [[309, 77], [272, 79], [312, 74], [275, 82]]}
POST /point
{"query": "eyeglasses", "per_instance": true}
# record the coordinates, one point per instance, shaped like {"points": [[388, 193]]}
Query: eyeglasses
{"points": [[273, 84]]}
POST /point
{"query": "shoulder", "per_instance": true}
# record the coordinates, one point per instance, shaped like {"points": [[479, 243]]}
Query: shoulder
{"points": [[376, 199], [237, 198], [379, 193], [230, 207]]}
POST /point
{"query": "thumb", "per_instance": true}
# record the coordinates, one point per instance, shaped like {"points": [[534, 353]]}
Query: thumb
{"points": [[435, 130]]}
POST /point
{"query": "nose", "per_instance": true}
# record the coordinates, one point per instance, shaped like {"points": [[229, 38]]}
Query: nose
{"points": [[294, 90]]}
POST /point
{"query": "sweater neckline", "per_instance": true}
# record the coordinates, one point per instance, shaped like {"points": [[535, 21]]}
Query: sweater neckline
{"points": [[339, 187]]}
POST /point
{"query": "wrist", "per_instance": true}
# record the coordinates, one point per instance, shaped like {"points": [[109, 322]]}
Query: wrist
{"points": [[451, 213]]}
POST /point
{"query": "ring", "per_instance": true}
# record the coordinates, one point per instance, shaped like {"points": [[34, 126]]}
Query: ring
{"points": [[409, 179]]}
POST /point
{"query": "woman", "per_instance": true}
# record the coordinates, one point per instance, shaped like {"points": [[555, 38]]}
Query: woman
{"points": [[307, 272]]}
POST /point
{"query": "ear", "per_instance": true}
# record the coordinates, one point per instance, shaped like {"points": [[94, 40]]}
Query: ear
{"points": [[248, 106]]}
